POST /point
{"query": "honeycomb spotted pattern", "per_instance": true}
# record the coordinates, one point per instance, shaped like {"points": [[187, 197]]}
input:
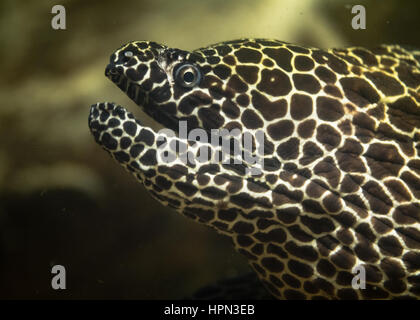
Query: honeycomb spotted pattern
{"points": [[340, 183]]}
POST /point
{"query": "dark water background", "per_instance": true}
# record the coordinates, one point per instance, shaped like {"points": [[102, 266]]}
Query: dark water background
{"points": [[65, 201]]}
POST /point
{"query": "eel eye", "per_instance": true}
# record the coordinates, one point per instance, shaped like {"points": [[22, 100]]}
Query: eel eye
{"points": [[187, 75], [127, 56]]}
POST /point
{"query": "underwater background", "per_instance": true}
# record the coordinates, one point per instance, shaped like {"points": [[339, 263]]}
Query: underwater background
{"points": [[63, 200]]}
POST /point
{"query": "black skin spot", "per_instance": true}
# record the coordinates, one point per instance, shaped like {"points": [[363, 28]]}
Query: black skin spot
{"points": [[288, 215], [307, 253], [333, 91], [272, 264], [242, 100], [186, 188], [392, 268], [412, 182], [299, 234], [328, 136], [109, 142], [325, 74], [388, 85], [407, 214], [274, 82], [281, 56], [300, 106], [359, 91], [366, 252], [306, 129], [306, 82], [248, 73], [251, 120], [223, 50], [411, 237], [289, 150], [122, 156], [318, 226], [291, 280], [229, 59], [213, 60], [237, 84], [202, 214], [227, 215], [408, 76], [281, 129], [135, 150], [404, 114], [303, 63], [272, 248], [269, 110], [222, 71], [382, 225], [379, 202], [210, 118], [326, 268], [336, 64], [348, 160], [145, 136], [390, 246], [300, 269], [230, 109], [149, 158], [312, 206], [383, 160], [327, 169], [311, 152], [368, 58], [213, 193], [243, 200], [241, 227], [329, 109], [344, 258], [125, 142], [268, 63], [246, 55], [192, 101], [137, 74]]}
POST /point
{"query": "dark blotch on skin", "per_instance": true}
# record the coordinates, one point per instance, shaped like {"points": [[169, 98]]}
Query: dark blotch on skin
{"points": [[329, 109], [388, 85], [222, 71], [280, 129], [306, 129], [230, 109], [248, 73], [307, 83], [359, 91], [383, 160], [289, 150], [328, 136], [251, 119], [281, 56], [300, 106], [269, 110], [303, 63], [274, 82], [237, 84], [325, 74], [246, 55]]}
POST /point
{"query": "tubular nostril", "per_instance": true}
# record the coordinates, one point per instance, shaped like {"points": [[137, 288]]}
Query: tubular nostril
{"points": [[110, 70]]}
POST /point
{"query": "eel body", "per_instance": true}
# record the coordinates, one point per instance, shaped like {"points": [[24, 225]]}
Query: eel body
{"points": [[337, 189]]}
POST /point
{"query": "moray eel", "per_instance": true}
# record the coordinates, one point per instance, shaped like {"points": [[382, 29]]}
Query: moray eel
{"points": [[333, 210]]}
